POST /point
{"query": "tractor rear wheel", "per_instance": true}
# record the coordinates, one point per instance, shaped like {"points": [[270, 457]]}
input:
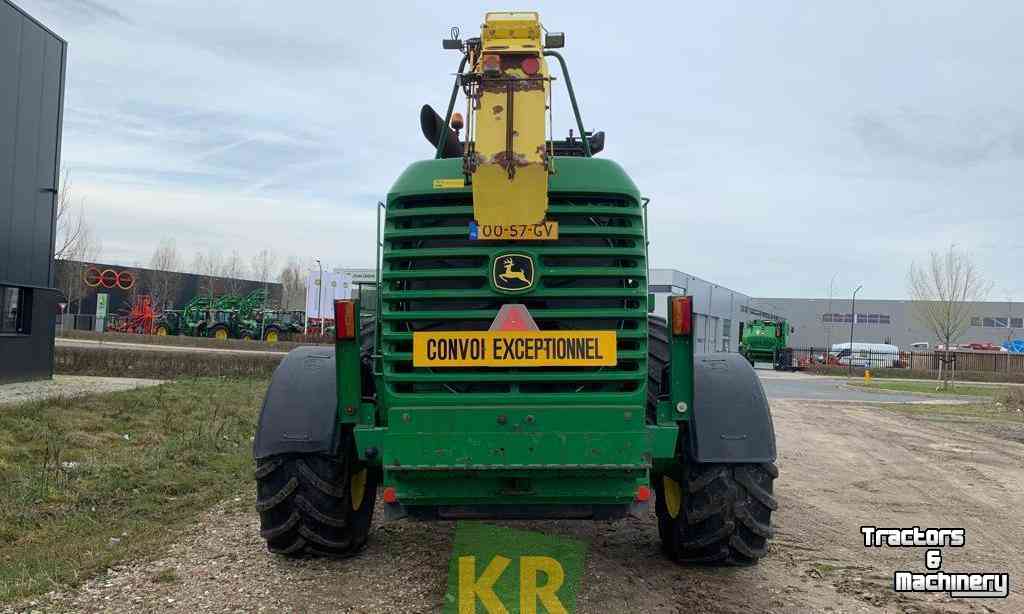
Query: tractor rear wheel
{"points": [[716, 513], [218, 331], [709, 513], [314, 503]]}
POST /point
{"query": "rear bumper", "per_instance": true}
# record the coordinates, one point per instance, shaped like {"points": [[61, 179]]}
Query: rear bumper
{"points": [[514, 512], [516, 461]]}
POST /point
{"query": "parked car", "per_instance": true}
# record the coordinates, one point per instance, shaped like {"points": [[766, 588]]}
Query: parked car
{"points": [[866, 355]]}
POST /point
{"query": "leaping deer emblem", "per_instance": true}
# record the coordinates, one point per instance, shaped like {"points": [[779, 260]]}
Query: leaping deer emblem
{"points": [[509, 274]]}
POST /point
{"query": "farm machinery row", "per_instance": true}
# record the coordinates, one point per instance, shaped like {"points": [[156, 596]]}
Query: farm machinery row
{"points": [[229, 317]]}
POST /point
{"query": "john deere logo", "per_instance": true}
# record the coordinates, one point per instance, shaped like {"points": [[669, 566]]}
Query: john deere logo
{"points": [[513, 272]]}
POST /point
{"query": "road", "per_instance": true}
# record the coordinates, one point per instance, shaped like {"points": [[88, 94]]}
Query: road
{"points": [[842, 465], [802, 387]]}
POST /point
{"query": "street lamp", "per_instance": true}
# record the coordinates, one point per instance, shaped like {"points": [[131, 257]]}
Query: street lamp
{"points": [[319, 296], [853, 318], [828, 329]]}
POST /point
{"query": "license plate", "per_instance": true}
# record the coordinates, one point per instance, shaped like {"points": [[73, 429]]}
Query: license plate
{"points": [[514, 349], [545, 231]]}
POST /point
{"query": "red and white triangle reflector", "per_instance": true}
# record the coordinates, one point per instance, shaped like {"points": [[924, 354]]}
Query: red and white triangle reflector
{"points": [[513, 316]]}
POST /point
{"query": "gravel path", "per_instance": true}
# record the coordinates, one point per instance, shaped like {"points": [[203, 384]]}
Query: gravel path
{"points": [[153, 347], [842, 466], [69, 386]]}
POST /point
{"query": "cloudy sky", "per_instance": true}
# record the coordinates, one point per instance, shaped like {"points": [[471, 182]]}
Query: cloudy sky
{"points": [[781, 143]]}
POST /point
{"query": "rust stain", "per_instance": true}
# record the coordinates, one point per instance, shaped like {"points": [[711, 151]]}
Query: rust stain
{"points": [[497, 109]]}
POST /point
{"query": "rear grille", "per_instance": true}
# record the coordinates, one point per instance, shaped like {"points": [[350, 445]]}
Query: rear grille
{"points": [[593, 278]]}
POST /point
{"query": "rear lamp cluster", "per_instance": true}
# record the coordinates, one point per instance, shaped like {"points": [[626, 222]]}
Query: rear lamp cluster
{"points": [[345, 319], [682, 315]]}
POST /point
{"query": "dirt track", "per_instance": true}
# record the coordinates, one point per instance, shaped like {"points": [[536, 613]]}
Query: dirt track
{"points": [[841, 466]]}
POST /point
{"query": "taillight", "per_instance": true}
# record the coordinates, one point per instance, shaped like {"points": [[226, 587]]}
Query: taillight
{"points": [[682, 315], [530, 65], [345, 319]]}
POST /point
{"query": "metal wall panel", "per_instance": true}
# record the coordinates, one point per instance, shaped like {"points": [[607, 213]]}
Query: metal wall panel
{"points": [[32, 63], [32, 66]]}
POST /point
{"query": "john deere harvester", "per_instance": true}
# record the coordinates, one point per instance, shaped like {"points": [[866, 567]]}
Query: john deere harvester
{"points": [[766, 341], [510, 366]]}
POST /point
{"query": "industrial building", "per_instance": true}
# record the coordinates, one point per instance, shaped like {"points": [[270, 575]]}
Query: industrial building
{"points": [[717, 310], [98, 293], [32, 65], [821, 322]]}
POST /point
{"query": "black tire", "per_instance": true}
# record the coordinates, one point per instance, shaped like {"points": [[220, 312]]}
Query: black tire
{"points": [[305, 502], [725, 513], [212, 331], [724, 510], [657, 364]]}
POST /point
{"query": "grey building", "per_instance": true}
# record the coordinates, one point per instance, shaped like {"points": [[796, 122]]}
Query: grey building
{"points": [[32, 63], [822, 321], [717, 310]]}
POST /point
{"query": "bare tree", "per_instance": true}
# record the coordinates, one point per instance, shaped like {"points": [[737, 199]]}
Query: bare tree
{"points": [[209, 267], [164, 280], [942, 291], [293, 282], [76, 245], [234, 272], [263, 265]]}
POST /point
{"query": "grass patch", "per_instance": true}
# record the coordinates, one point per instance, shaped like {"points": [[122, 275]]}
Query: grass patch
{"points": [[92, 481], [930, 388]]}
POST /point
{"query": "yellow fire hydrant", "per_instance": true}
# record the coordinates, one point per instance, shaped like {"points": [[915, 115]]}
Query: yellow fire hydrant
{"points": [[867, 376]]}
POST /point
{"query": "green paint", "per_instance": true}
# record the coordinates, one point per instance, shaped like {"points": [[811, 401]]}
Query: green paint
{"points": [[761, 339], [512, 436], [494, 567], [349, 379]]}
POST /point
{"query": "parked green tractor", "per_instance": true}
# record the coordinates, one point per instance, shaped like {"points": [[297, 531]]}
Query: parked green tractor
{"points": [[274, 324], [224, 317], [767, 341], [510, 366]]}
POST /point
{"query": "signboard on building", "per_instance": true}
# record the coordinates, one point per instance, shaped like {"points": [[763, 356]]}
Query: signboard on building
{"points": [[102, 300], [320, 297]]}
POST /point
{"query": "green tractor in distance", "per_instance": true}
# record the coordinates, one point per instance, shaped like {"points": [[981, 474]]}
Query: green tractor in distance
{"points": [[273, 324], [510, 365], [224, 317], [767, 341]]}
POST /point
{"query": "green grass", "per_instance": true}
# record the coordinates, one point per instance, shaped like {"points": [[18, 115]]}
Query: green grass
{"points": [[930, 388], [92, 481]]}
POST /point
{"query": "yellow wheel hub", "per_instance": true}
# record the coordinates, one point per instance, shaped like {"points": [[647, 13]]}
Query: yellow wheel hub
{"points": [[161, 331], [221, 334], [357, 486], [272, 336], [673, 496]]}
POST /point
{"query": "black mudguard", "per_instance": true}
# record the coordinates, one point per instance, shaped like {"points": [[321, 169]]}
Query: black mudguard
{"points": [[300, 411], [731, 421]]}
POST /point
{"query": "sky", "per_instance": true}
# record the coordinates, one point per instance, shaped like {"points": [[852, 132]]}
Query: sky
{"points": [[782, 144]]}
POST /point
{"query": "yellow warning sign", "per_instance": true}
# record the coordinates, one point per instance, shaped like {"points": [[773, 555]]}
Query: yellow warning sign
{"points": [[553, 348], [447, 184]]}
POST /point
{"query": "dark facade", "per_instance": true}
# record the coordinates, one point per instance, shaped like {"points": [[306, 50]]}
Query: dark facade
{"points": [[84, 281], [32, 64]]}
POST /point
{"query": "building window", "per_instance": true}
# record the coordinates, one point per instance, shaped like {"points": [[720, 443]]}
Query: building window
{"points": [[15, 311], [1000, 322]]}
